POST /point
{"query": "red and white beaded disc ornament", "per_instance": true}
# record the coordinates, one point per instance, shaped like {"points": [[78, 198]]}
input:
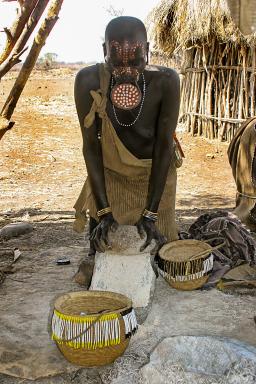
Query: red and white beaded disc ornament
{"points": [[125, 96]]}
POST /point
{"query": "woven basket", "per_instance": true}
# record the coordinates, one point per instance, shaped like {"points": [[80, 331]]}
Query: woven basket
{"points": [[93, 328], [185, 264]]}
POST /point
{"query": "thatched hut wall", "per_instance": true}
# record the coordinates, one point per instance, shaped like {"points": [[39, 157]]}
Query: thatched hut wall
{"points": [[157, 58], [218, 64]]}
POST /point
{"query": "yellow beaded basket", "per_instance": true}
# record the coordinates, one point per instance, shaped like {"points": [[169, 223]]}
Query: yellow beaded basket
{"points": [[93, 328], [185, 264]]}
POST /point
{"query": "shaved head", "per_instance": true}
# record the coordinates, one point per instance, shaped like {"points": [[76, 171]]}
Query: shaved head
{"points": [[125, 28], [126, 48]]}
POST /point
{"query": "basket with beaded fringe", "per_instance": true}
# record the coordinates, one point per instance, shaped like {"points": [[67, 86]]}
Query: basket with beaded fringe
{"points": [[93, 328], [186, 264]]}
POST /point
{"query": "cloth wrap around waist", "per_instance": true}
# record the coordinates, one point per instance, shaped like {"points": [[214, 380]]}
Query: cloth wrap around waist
{"points": [[241, 154], [126, 176]]}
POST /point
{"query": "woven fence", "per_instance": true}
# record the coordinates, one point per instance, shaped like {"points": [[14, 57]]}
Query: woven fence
{"points": [[217, 89]]}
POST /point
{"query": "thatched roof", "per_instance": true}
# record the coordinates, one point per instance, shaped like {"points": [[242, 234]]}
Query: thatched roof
{"points": [[183, 23]]}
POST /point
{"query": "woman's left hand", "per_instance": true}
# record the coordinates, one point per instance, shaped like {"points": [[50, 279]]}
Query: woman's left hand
{"points": [[148, 227]]}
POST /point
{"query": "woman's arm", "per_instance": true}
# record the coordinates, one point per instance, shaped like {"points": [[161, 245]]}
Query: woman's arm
{"points": [[87, 80], [162, 156]]}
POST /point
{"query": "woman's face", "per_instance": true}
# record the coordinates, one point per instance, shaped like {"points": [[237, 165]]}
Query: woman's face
{"points": [[126, 60]]}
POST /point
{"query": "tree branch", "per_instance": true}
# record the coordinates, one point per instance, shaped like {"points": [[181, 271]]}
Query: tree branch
{"points": [[8, 33], [26, 33], [39, 41], [17, 27], [5, 125], [13, 60]]}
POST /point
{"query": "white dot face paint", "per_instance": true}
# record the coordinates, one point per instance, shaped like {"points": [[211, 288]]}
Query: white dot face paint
{"points": [[126, 59]]}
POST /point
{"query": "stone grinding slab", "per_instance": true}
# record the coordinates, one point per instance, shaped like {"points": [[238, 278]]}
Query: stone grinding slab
{"points": [[124, 269]]}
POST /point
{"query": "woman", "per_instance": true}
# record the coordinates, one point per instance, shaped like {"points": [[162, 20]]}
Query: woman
{"points": [[241, 153]]}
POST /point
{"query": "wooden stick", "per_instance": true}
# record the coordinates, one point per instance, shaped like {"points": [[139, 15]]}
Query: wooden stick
{"points": [[208, 117], [240, 96], [252, 85], [202, 101], [194, 93], [215, 67], [207, 251]]}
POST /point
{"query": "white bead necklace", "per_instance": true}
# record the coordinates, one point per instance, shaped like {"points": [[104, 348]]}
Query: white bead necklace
{"points": [[141, 105]]}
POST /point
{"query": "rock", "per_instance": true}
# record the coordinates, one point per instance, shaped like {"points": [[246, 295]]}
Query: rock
{"points": [[200, 359], [127, 241], [14, 230], [124, 269], [85, 271]]}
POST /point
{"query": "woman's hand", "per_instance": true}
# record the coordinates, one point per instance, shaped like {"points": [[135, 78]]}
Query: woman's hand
{"points": [[148, 227], [99, 236]]}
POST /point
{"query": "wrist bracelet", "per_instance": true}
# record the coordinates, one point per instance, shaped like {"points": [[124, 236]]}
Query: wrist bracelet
{"points": [[150, 215], [103, 211]]}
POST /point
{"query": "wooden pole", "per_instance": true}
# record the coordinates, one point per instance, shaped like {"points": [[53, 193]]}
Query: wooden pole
{"points": [[252, 84]]}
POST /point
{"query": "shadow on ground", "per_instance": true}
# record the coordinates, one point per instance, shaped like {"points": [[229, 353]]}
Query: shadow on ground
{"points": [[54, 228]]}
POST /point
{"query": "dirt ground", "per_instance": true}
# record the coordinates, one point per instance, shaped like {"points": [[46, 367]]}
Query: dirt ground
{"points": [[42, 168]]}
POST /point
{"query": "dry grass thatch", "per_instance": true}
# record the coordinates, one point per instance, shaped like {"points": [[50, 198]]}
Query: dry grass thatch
{"points": [[218, 63], [175, 24]]}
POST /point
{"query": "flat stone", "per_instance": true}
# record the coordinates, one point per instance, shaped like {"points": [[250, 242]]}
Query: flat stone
{"points": [[14, 230], [124, 269], [200, 359]]}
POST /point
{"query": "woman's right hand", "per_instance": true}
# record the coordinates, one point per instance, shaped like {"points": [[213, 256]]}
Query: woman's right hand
{"points": [[99, 236]]}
